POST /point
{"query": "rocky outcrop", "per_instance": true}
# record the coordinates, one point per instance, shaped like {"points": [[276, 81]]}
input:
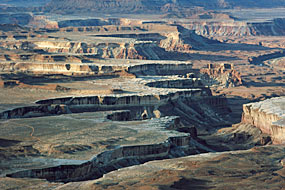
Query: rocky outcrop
{"points": [[11, 27], [196, 107], [119, 50], [223, 75], [15, 18], [28, 19], [98, 22], [34, 111], [124, 100], [137, 36], [106, 162], [178, 83], [47, 58], [122, 115], [52, 68], [125, 27], [150, 6], [66, 105], [262, 58], [176, 145], [224, 170], [160, 69], [268, 116], [238, 28], [184, 40], [43, 22], [278, 63], [173, 42], [73, 68]]}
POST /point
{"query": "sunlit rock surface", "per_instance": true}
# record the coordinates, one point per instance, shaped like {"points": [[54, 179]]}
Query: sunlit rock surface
{"points": [[268, 115], [248, 169]]}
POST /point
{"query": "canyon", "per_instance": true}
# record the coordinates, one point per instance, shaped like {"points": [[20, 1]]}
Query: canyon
{"points": [[142, 94], [269, 121]]}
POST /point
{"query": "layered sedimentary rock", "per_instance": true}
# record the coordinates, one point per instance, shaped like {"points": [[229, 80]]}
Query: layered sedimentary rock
{"points": [[71, 68], [267, 115], [125, 27], [84, 70], [43, 22], [175, 144], [107, 161], [262, 58], [184, 40], [11, 27], [52, 68], [131, 6], [238, 28], [278, 63], [205, 171], [98, 22], [178, 83], [94, 103], [15, 18], [223, 75], [132, 50]]}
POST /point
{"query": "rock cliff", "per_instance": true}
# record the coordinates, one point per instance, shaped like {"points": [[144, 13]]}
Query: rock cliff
{"points": [[267, 115], [205, 171], [184, 40], [143, 6], [177, 144], [127, 50], [73, 68], [274, 27], [222, 75]]}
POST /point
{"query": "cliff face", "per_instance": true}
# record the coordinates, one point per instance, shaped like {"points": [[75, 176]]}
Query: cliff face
{"points": [[104, 6], [118, 50], [172, 145], [109, 161], [179, 83], [223, 75], [50, 68], [192, 172], [15, 18], [238, 28], [268, 116], [267, 58], [174, 44], [188, 104], [150, 6], [95, 69], [183, 40]]}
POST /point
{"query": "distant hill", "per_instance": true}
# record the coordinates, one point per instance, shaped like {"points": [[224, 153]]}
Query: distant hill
{"points": [[152, 6], [24, 3]]}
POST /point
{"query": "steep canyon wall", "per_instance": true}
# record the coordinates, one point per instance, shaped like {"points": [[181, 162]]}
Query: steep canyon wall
{"points": [[268, 116]]}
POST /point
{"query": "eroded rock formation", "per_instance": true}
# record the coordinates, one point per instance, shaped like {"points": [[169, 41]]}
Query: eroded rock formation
{"points": [[176, 145], [238, 28], [212, 170], [223, 74], [130, 6], [268, 116], [82, 95]]}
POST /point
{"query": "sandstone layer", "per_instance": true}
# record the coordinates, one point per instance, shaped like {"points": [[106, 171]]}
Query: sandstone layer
{"points": [[152, 6], [206, 171], [84, 96], [238, 28], [268, 116], [105, 153]]}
